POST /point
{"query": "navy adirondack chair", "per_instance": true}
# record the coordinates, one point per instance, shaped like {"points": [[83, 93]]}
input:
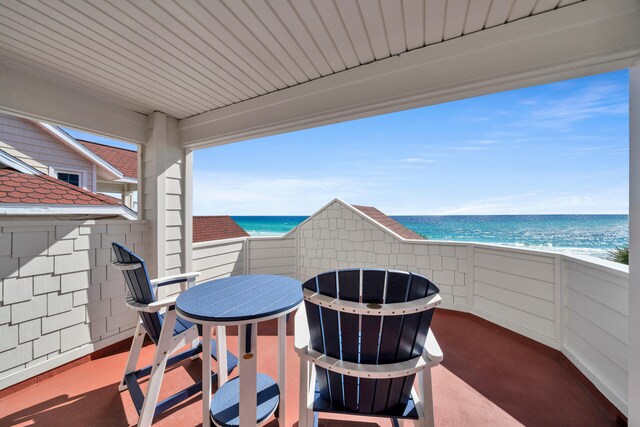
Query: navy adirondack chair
{"points": [[367, 333], [167, 331]]}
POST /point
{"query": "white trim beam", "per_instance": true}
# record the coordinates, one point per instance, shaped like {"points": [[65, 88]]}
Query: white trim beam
{"points": [[17, 164], [34, 98], [634, 245], [589, 37], [71, 142]]}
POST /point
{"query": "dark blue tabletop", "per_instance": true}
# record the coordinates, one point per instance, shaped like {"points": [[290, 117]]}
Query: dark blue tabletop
{"points": [[240, 298]]}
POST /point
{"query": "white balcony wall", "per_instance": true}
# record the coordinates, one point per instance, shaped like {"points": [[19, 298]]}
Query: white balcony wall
{"points": [[219, 258], [576, 305], [60, 298], [596, 323], [272, 255]]}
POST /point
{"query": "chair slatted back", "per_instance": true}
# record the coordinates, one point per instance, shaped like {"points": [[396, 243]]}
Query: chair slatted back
{"points": [[140, 288], [368, 339]]}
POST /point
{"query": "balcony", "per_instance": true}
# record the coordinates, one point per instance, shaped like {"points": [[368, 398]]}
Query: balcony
{"points": [[529, 337]]}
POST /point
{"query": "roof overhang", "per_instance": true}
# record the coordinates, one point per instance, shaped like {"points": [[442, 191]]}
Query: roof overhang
{"points": [[579, 39], [71, 142], [8, 209]]}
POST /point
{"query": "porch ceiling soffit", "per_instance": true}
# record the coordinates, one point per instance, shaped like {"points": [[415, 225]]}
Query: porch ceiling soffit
{"points": [[37, 98], [582, 39]]}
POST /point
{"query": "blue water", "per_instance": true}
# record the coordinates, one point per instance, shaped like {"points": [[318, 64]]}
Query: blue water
{"points": [[575, 234]]}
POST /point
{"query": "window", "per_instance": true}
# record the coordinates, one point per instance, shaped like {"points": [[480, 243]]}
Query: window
{"points": [[71, 178]]}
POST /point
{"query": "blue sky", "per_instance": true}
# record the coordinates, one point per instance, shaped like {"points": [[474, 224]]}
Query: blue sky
{"points": [[556, 148]]}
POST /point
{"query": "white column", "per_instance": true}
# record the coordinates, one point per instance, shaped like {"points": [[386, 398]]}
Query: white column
{"points": [[165, 197], [634, 245]]}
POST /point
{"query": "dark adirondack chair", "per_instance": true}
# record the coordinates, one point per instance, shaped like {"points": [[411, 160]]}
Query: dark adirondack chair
{"points": [[367, 333], [167, 331]]}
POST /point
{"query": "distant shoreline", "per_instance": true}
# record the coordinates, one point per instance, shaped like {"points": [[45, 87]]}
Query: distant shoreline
{"points": [[575, 234]]}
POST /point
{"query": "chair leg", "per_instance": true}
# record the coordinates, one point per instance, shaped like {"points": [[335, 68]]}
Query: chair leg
{"points": [[134, 354], [282, 368], [426, 397], [311, 417], [304, 390], [163, 350], [195, 343]]}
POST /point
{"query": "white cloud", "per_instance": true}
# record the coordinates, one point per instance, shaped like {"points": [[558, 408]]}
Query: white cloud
{"points": [[240, 194], [596, 100], [417, 160], [604, 201]]}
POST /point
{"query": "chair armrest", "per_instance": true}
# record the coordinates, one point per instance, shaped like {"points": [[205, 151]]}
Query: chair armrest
{"points": [[177, 278], [432, 349], [153, 307], [301, 330]]}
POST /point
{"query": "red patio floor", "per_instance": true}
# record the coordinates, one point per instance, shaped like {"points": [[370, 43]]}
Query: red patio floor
{"points": [[489, 377]]}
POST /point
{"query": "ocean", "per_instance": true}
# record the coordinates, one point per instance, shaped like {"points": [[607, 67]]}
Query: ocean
{"points": [[572, 234]]}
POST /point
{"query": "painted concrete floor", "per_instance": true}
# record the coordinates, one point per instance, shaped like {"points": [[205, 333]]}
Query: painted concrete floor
{"points": [[489, 377]]}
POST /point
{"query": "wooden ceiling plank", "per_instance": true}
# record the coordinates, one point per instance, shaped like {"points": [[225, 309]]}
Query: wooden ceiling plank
{"points": [[353, 21], [498, 13], [336, 28], [97, 53], [230, 43], [414, 23], [521, 9], [455, 18], [375, 27], [476, 16], [118, 29], [434, 16], [564, 3], [392, 11], [73, 64], [64, 68], [309, 15], [299, 42], [168, 33], [212, 48], [260, 28], [545, 6]]}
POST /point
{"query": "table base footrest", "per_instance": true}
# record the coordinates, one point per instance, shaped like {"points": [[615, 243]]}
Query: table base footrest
{"points": [[225, 404]]}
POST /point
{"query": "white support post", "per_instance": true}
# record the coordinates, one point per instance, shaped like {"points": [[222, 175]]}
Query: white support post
{"points": [[166, 197], [247, 351], [634, 245], [221, 346]]}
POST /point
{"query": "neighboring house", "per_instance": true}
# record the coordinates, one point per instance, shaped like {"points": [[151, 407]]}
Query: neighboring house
{"points": [[50, 150], [28, 192], [219, 227], [388, 222]]}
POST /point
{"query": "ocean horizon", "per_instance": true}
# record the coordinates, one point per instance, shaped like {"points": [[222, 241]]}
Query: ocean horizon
{"points": [[585, 234]]}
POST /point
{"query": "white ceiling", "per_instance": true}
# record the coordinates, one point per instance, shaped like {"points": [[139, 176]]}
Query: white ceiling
{"points": [[185, 58]]}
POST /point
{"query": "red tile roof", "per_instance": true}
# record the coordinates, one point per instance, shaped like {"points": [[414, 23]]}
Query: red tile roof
{"points": [[126, 161], [388, 222], [206, 228], [23, 188]]}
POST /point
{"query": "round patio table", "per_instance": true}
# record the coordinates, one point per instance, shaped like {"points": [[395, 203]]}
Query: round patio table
{"points": [[244, 301]]}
